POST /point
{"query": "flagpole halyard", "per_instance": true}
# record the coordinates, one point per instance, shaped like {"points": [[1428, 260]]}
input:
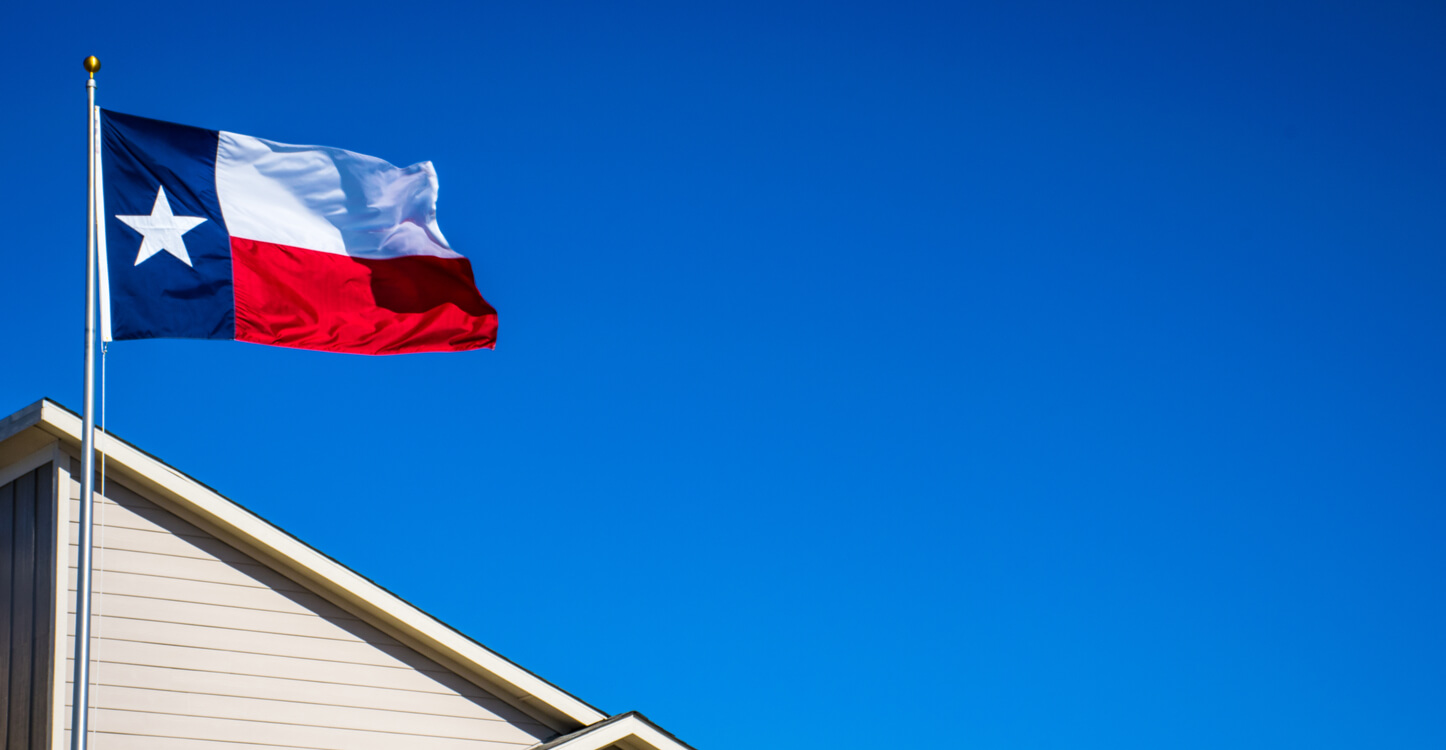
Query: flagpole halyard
{"points": [[80, 702]]}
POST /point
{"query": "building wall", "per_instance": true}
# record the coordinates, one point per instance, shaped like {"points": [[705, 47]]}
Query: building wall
{"points": [[27, 608], [198, 646]]}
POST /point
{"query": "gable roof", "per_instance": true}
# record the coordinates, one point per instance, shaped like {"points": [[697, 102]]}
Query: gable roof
{"points": [[209, 510], [629, 728]]}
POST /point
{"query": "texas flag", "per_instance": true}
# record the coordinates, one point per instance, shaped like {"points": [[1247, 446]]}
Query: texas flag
{"points": [[213, 235]]}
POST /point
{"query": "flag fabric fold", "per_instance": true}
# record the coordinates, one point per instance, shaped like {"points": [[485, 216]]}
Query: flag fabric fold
{"points": [[215, 235]]}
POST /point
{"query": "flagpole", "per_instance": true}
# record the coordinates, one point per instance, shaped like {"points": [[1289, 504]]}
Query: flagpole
{"points": [[80, 701]]}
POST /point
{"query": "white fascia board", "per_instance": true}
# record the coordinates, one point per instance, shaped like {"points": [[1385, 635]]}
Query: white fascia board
{"points": [[236, 524], [626, 728], [60, 688], [27, 417]]}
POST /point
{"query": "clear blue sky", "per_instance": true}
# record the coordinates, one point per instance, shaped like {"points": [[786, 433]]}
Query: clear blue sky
{"points": [[1043, 375]]}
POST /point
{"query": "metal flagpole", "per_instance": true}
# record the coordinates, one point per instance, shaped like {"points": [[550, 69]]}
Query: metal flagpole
{"points": [[80, 702]]}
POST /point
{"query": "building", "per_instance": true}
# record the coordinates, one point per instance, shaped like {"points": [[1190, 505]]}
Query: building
{"points": [[215, 630]]}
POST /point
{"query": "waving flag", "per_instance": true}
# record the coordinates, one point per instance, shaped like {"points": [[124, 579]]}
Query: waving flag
{"points": [[214, 235]]}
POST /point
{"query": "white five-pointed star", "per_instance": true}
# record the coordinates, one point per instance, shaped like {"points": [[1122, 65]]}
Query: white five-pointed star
{"points": [[162, 230]]}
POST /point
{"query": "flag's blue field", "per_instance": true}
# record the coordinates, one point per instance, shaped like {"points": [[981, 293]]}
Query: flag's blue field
{"points": [[869, 375]]}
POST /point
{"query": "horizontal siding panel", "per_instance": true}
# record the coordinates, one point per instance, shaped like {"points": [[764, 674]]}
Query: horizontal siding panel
{"points": [[137, 514], [334, 717], [203, 570], [209, 570], [306, 624], [161, 543], [283, 735], [479, 705], [180, 657], [271, 644], [177, 589], [109, 741]]}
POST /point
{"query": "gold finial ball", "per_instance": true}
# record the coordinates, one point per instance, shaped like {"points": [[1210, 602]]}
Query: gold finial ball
{"points": [[92, 64]]}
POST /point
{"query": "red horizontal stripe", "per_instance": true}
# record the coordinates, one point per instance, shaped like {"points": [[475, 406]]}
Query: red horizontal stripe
{"points": [[288, 296]]}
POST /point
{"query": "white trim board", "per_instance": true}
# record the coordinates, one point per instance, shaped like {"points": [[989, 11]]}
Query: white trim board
{"points": [[60, 676]]}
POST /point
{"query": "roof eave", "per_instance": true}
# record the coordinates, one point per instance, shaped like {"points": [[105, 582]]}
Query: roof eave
{"points": [[240, 527]]}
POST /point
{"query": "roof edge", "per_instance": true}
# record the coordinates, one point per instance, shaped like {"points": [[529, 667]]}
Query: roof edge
{"points": [[257, 536], [28, 417], [626, 726]]}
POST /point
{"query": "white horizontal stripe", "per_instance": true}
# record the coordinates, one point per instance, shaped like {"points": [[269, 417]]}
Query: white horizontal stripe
{"points": [[327, 199]]}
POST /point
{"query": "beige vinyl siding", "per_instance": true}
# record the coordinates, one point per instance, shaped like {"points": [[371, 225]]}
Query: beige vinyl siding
{"points": [[198, 646]]}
